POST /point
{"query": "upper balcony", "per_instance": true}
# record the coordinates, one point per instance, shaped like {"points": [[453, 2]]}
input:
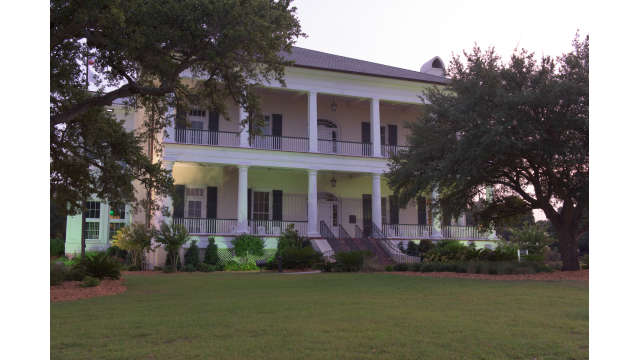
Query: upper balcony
{"points": [[306, 122]]}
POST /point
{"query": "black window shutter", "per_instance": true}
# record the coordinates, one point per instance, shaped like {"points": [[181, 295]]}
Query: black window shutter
{"points": [[212, 202], [214, 125], [180, 124], [249, 204], [277, 205], [422, 210], [276, 124], [394, 211], [366, 214], [382, 135], [366, 132], [178, 201], [393, 135]]}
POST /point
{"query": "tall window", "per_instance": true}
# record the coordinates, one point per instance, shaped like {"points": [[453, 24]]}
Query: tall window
{"points": [[260, 205], [93, 210], [116, 218], [334, 214], [92, 230], [196, 118], [195, 199], [114, 227]]}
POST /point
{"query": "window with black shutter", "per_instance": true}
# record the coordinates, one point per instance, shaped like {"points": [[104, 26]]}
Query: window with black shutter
{"points": [[366, 139], [394, 211], [393, 135], [214, 125], [276, 130], [277, 205], [422, 210], [178, 201]]}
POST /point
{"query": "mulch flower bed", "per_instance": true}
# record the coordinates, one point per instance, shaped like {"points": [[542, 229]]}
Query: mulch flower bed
{"points": [[71, 290], [580, 275]]}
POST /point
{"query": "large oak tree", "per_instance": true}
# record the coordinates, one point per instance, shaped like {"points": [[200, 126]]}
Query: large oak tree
{"points": [[139, 49], [521, 128]]}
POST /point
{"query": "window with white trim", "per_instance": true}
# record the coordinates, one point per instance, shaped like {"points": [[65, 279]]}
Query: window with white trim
{"points": [[92, 210], [260, 205], [117, 218], [194, 202], [92, 230], [197, 118], [114, 227]]}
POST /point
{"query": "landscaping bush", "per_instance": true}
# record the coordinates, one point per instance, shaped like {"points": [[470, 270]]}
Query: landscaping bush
{"points": [[246, 245], [74, 273], [400, 267], [120, 254], [388, 268], [100, 265], [189, 268], [169, 269], [291, 238], [211, 256], [173, 237], [300, 258], [427, 267], [90, 281], [136, 240], [415, 267], [57, 274], [235, 266], [532, 238], [204, 267], [56, 247], [350, 261], [192, 256], [412, 249], [372, 264]]}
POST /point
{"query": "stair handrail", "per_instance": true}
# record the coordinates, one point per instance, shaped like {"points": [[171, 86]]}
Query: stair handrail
{"points": [[391, 248]]}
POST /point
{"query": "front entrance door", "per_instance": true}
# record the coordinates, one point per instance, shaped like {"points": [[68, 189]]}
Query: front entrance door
{"points": [[328, 212]]}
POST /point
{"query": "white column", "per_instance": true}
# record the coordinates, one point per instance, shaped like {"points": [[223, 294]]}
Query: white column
{"points": [[312, 112], [374, 114], [171, 114], [437, 223], [244, 129], [243, 211], [312, 204], [376, 201], [489, 197]]}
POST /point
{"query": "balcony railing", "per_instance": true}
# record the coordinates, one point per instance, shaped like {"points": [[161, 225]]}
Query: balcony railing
{"points": [[392, 150], [341, 147], [280, 143], [207, 226], [275, 227], [463, 232], [206, 137], [406, 231]]}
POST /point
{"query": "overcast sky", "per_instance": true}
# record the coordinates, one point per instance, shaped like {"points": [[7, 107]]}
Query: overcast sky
{"points": [[407, 33]]}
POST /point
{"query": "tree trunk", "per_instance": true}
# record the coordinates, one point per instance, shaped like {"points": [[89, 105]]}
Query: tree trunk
{"points": [[83, 242], [568, 249]]}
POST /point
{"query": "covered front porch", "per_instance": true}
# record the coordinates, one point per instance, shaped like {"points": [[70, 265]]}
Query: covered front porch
{"points": [[227, 200]]}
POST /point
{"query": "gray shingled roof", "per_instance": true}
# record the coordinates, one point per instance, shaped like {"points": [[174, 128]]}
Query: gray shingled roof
{"points": [[320, 60]]}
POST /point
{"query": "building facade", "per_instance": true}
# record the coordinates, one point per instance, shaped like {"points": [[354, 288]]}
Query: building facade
{"points": [[317, 163]]}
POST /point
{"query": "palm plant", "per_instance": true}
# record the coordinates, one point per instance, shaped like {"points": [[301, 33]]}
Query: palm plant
{"points": [[173, 237]]}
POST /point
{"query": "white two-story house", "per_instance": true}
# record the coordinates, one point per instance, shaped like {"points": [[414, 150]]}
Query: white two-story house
{"points": [[318, 163]]}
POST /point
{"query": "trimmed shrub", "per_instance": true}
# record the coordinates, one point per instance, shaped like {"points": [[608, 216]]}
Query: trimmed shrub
{"points": [[192, 256], [400, 267], [211, 256], [248, 245], [427, 267], [300, 258], [74, 274], [350, 261], [168, 269], [57, 274], [56, 247], [100, 265], [584, 262], [235, 266], [136, 240], [90, 281], [203, 267], [415, 267], [388, 268], [189, 268]]}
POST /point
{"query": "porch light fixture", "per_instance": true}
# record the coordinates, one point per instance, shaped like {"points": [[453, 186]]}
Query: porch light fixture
{"points": [[333, 181], [334, 106]]}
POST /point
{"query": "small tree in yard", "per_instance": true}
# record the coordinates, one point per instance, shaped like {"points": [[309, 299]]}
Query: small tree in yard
{"points": [[211, 256], [514, 135], [192, 256], [136, 239], [173, 237], [246, 245]]}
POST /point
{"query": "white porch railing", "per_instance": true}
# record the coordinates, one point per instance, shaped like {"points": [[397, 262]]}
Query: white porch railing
{"points": [[206, 137], [208, 226], [406, 231], [341, 147], [275, 227], [463, 232], [392, 150]]}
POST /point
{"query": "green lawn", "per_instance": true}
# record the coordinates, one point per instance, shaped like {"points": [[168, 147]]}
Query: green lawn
{"points": [[325, 316]]}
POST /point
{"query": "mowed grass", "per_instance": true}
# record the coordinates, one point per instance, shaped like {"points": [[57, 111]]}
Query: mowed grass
{"points": [[324, 316]]}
